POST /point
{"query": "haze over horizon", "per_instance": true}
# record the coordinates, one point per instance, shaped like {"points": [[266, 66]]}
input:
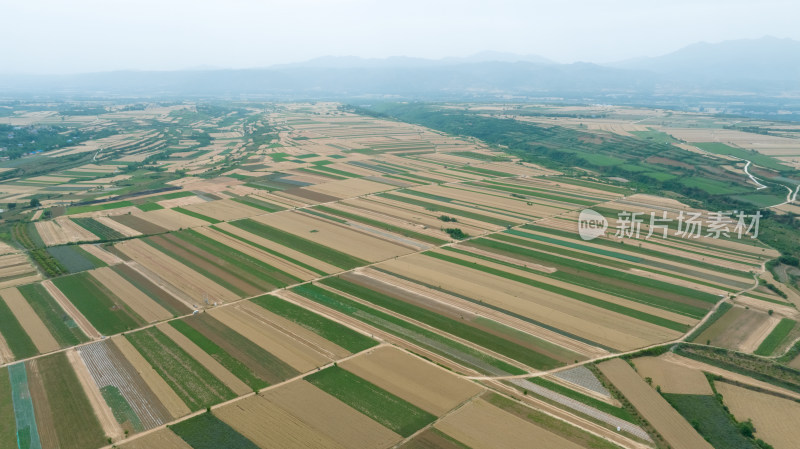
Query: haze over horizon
{"points": [[52, 37]]}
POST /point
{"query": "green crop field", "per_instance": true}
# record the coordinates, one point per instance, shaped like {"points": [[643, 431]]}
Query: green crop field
{"points": [[122, 410], [197, 387], [74, 419], [15, 336], [460, 329], [328, 329], [566, 292], [8, 425], [196, 215], [62, 326], [206, 431], [776, 337], [430, 340], [381, 225], [107, 313], [239, 369], [264, 366], [371, 400], [99, 229], [707, 416]]}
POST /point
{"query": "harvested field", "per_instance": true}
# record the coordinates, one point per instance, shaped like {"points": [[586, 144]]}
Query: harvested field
{"points": [[591, 322], [174, 405], [331, 416], [666, 420], [389, 410], [167, 300], [193, 383], [349, 188], [170, 219], [774, 418], [208, 362], [98, 252], [249, 361], [341, 338], [268, 258], [419, 382], [139, 224], [294, 330], [108, 367], [672, 378], [179, 275], [299, 355], [433, 438], [287, 252], [162, 439], [334, 236], [480, 425], [29, 320], [117, 226], [110, 425], [739, 329], [268, 425], [141, 304], [224, 210]]}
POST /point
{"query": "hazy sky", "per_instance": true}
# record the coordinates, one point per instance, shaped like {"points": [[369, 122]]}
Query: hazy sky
{"points": [[68, 36]]}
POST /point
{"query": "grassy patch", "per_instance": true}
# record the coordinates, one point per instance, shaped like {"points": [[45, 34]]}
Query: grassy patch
{"points": [[776, 337], [194, 384], [327, 329], [313, 249], [107, 313], [387, 409], [17, 340], [206, 431], [59, 323]]}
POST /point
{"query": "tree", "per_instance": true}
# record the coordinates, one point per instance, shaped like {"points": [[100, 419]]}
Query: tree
{"points": [[35, 202]]}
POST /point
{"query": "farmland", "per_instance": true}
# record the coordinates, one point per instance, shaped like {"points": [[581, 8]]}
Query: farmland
{"points": [[297, 274]]}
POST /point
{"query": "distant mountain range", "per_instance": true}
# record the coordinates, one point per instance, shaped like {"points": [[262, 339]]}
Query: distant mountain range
{"points": [[766, 67]]}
